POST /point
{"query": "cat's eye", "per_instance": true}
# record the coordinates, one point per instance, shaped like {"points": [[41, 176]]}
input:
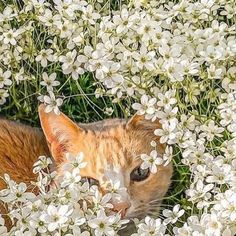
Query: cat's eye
{"points": [[139, 174], [90, 180]]}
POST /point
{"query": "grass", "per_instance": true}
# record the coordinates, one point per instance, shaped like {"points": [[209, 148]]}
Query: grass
{"points": [[80, 102]]}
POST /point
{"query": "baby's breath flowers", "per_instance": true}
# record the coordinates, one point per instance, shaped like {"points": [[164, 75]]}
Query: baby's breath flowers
{"points": [[57, 210], [173, 60]]}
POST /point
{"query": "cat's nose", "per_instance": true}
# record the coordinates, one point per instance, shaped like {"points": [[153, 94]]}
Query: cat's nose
{"points": [[122, 208]]}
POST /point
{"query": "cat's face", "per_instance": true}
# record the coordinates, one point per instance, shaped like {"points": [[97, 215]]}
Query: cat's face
{"points": [[112, 151]]}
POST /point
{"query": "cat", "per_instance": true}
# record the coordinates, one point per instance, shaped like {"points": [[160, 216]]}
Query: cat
{"points": [[111, 148]]}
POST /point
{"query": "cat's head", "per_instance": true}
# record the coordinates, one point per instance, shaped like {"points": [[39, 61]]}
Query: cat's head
{"points": [[112, 151]]}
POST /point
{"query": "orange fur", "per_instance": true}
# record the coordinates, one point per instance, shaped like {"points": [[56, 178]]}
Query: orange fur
{"points": [[20, 146]]}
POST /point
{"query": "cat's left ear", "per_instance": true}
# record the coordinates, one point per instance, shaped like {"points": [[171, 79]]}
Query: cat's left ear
{"points": [[61, 133]]}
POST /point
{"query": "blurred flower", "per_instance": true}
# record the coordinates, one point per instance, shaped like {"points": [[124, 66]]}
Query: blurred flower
{"points": [[4, 78], [52, 104]]}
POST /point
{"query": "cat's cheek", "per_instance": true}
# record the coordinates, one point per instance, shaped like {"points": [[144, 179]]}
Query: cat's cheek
{"points": [[146, 196]]}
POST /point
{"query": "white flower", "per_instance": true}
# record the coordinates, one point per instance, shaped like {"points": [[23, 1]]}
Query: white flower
{"points": [[174, 215], [9, 37], [123, 21], [189, 67], [168, 114], [200, 193], [89, 14], [174, 70], [47, 18], [116, 189], [220, 174], [4, 78], [68, 59], [151, 227], [74, 163], [169, 52], [147, 105], [168, 155], [188, 122], [167, 99], [229, 11], [102, 224], [211, 130], [71, 178], [72, 65], [145, 59], [3, 228], [147, 29], [52, 104], [42, 163], [20, 76], [49, 81], [109, 111], [44, 56], [3, 95], [184, 231], [212, 224], [56, 217], [227, 205], [110, 75], [18, 193], [7, 14], [38, 224], [151, 161], [212, 53], [167, 132], [102, 201], [64, 27], [75, 69], [213, 72]]}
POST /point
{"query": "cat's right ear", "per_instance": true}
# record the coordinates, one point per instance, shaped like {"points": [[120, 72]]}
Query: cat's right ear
{"points": [[61, 133]]}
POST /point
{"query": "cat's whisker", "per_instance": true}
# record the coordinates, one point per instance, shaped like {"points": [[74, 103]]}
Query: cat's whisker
{"points": [[167, 205], [154, 205], [154, 214], [138, 211], [157, 199], [164, 208], [137, 157], [157, 207]]}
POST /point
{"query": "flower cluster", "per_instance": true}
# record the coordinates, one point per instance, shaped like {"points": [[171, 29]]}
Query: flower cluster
{"points": [[175, 62], [73, 207]]}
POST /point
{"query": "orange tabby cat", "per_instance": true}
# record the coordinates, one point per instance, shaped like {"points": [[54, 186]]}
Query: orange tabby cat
{"points": [[111, 149]]}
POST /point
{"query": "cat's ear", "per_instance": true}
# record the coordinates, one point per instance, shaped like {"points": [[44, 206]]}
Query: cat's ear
{"points": [[60, 133], [139, 122]]}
